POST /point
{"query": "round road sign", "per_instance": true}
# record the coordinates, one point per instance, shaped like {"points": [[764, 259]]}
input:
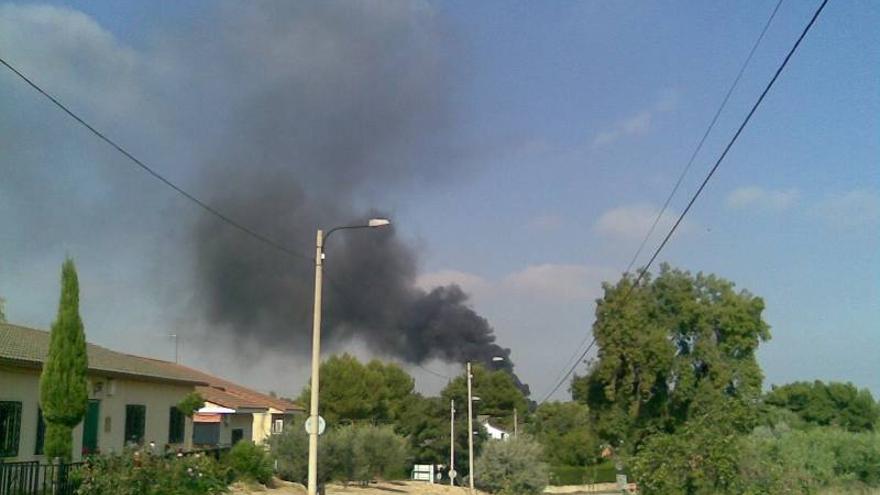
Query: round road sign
{"points": [[321, 425]]}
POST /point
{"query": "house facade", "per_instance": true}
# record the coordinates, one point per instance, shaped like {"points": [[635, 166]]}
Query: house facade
{"points": [[132, 400], [233, 413]]}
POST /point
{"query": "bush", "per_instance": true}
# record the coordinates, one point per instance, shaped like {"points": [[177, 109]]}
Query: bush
{"points": [[378, 453], [249, 462], [141, 473], [346, 454], [781, 460], [511, 467]]}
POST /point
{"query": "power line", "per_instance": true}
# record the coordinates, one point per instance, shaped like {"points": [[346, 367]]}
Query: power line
{"points": [[435, 373], [699, 147], [205, 206], [696, 195], [682, 175]]}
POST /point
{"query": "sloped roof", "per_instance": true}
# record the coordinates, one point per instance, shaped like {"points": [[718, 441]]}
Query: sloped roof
{"points": [[226, 399], [234, 393], [29, 347]]}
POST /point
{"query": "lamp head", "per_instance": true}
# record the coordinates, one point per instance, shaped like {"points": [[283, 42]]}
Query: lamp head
{"points": [[378, 222]]}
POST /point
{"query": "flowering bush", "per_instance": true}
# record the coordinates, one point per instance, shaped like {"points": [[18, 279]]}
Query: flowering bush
{"points": [[143, 473]]}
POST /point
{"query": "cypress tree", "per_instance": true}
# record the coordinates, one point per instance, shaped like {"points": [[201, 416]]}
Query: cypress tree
{"points": [[63, 384]]}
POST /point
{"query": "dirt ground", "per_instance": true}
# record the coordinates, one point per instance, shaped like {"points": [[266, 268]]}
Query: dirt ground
{"points": [[381, 488]]}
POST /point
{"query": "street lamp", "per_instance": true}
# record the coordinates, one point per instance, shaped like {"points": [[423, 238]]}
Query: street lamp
{"points": [[316, 345], [471, 400]]}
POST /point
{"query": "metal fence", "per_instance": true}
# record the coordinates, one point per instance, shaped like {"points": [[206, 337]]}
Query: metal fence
{"points": [[33, 478]]}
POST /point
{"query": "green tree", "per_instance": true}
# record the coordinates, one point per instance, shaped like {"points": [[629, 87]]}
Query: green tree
{"points": [[700, 458], [497, 391], [563, 429], [670, 349], [63, 384], [2, 314], [353, 392], [831, 404]]}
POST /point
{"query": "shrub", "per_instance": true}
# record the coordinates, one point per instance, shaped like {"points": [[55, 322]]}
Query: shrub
{"points": [[511, 467], [249, 462], [141, 473], [378, 453], [349, 453], [781, 460]]}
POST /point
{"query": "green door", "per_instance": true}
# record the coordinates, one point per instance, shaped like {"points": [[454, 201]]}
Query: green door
{"points": [[90, 428]]}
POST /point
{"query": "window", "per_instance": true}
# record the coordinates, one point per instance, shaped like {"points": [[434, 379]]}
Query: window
{"points": [[237, 435], [41, 432], [10, 428], [135, 419], [206, 434], [176, 425], [277, 425]]}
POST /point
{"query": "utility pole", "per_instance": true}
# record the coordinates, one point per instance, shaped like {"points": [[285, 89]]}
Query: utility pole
{"points": [[451, 442], [470, 428], [316, 366], [515, 422]]}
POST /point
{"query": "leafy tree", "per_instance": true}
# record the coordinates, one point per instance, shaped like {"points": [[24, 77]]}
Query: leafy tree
{"points": [[425, 423], [670, 349], [498, 394], [511, 467], [354, 392], [394, 387], [831, 404], [63, 385], [2, 314], [563, 429]]}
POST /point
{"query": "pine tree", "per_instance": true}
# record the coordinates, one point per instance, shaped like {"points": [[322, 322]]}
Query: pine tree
{"points": [[63, 385]]}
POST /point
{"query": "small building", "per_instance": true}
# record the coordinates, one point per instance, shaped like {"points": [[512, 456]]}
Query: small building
{"points": [[132, 400], [493, 431]]}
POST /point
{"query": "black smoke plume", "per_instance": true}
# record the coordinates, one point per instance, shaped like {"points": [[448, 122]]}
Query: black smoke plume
{"points": [[346, 103]]}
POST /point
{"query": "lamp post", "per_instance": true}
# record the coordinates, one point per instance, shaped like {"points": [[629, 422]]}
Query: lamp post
{"points": [[316, 345], [451, 442], [470, 428], [471, 400]]}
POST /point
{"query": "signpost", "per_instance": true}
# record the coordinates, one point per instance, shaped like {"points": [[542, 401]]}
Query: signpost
{"points": [[322, 425]]}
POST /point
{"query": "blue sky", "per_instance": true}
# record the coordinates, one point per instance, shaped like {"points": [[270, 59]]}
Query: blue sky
{"points": [[570, 122]]}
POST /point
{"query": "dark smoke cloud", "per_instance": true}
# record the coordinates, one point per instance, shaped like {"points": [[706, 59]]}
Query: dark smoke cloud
{"points": [[340, 100]]}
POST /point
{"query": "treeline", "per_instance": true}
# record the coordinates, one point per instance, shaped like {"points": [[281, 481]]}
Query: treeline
{"points": [[674, 399]]}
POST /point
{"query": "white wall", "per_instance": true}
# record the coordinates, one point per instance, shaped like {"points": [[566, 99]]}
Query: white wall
{"points": [[23, 385]]}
